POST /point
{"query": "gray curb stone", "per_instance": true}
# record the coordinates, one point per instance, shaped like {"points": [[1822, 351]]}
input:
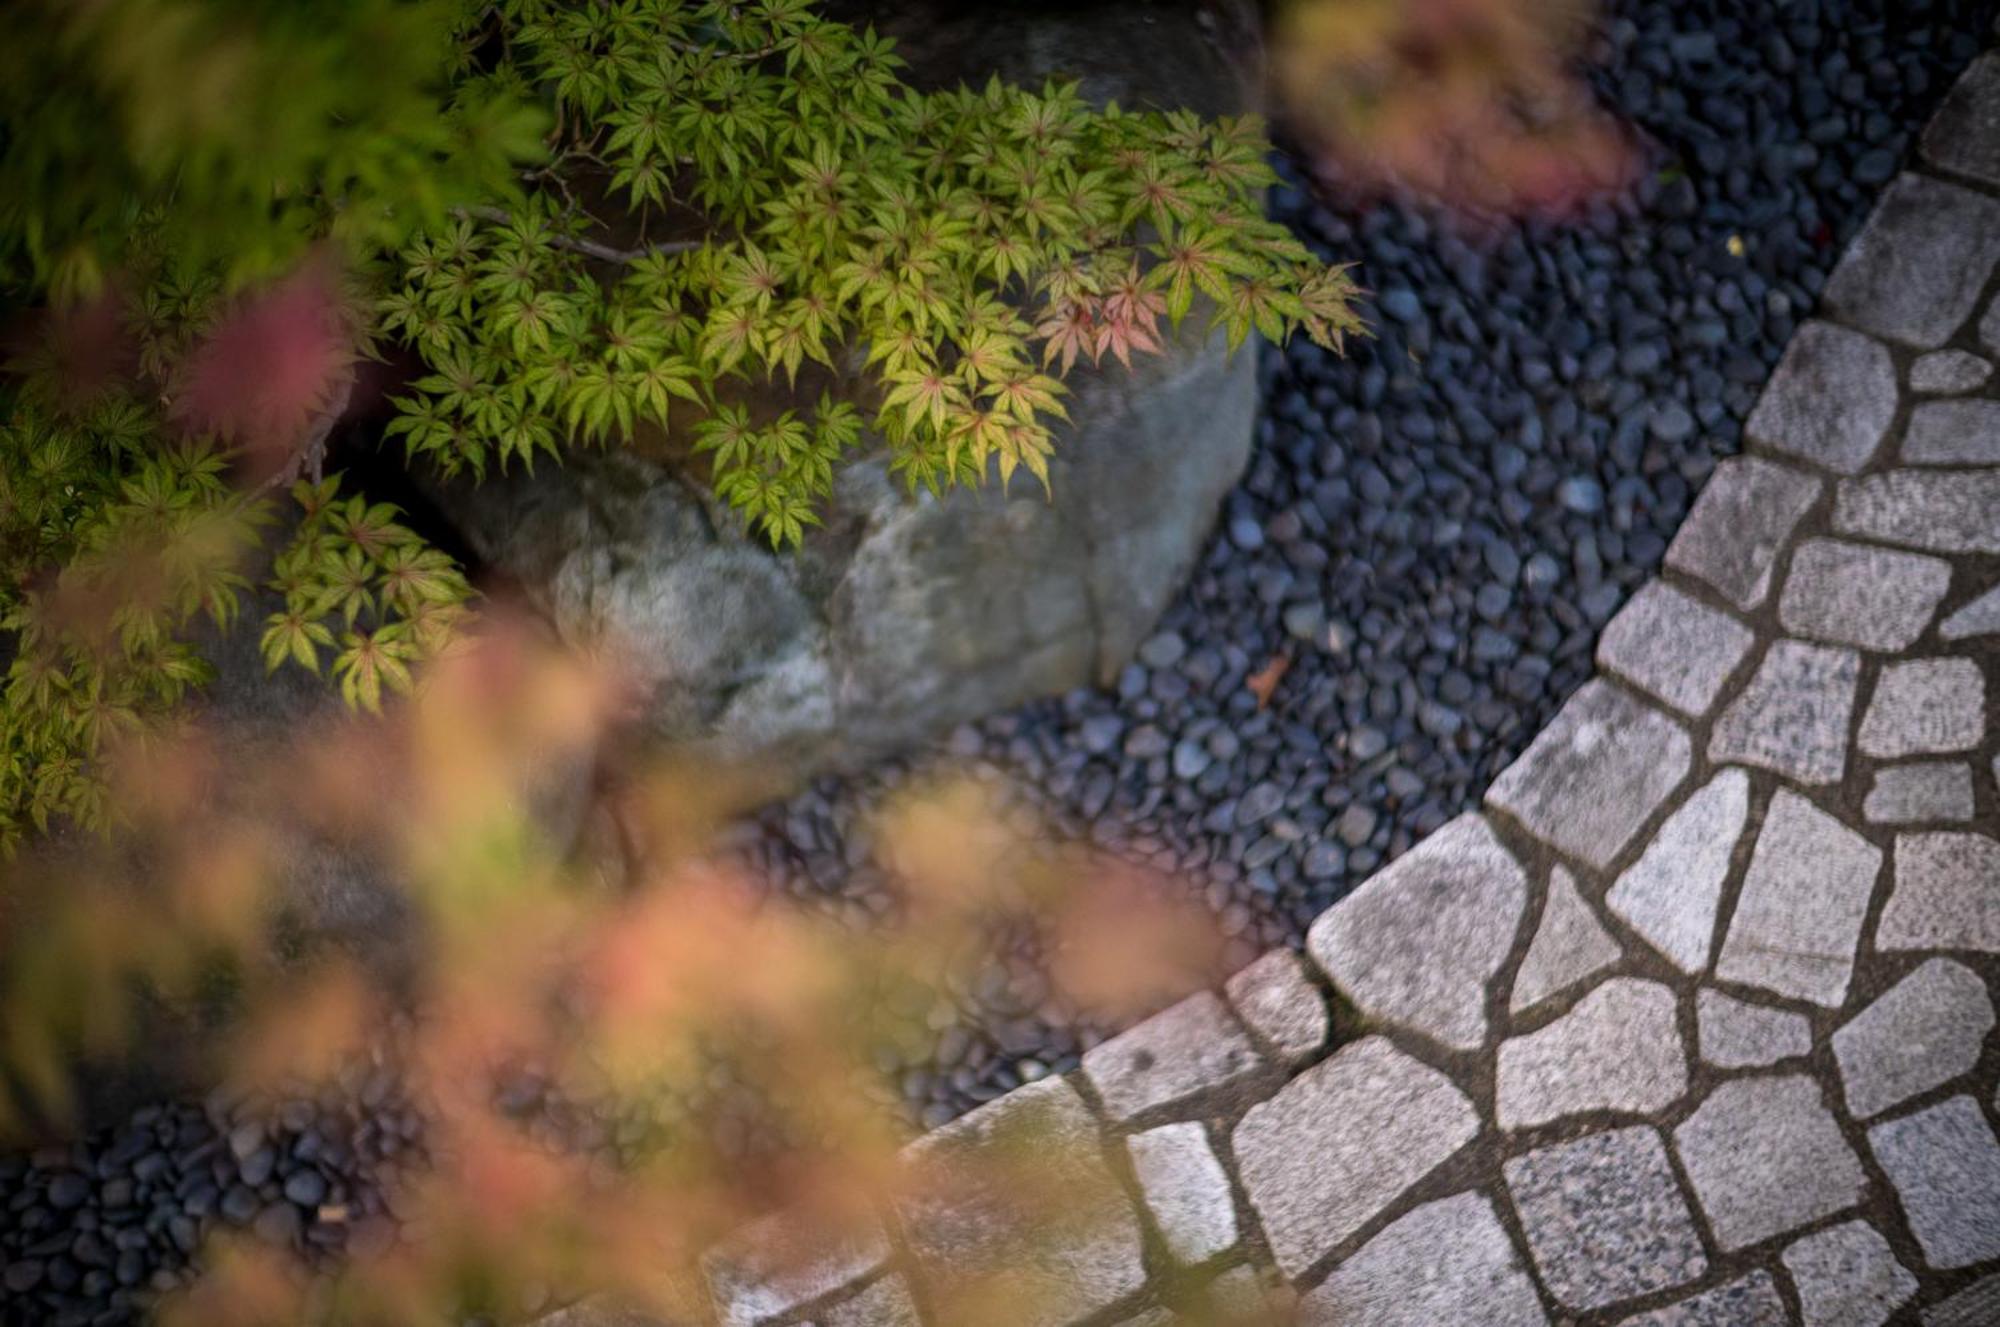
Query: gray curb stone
{"points": [[1848, 1276], [1373, 1120], [1570, 945], [1417, 944], [1854, 594], [1745, 515], [1605, 1218], [1945, 1165], [1765, 1156], [1830, 400], [1596, 774], [1916, 270], [1193, 1048], [1670, 895], [1619, 1049], [1792, 717], [1448, 1261], [1923, 1032], [1943, 897], [1804, 899]]}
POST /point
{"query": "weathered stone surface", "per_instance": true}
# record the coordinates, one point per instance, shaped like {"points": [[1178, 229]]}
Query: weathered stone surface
{"points": [[1765, 1156], [1749, 1301], [1736, 1034], [1964, 135], [1669, 895], [1793, 716], [1949, 372], [906, 613], [1188, 1051], [782, 1262], [1830, 400], [1173, 1058], [1923, 1032], [1938, 511], [1569, 945], [1914, 794], [1804, 898], [1186, 1190], [1604, 1217], [1916, 270], [1596, 774], [1854, 594], [1978, 1305], [1944, 896], [1447, 1261], [1953, 433], [1945, 1165], [1981, 617], [1847, 1276], [1619, 1049], [1276, 1000], [886, 1303], [1674, 647], [1922, 706], [1743, 518], [1417, 944], [1242, 1295], [1371, 1120], [1074, 1251]]}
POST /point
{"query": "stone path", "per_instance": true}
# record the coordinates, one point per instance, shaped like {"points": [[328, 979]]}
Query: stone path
{"points": [[1694, 1024]]}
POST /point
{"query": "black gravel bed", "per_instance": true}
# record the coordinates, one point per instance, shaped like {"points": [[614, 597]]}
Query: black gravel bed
{"points": [[1432, 531], [1434, 528]]}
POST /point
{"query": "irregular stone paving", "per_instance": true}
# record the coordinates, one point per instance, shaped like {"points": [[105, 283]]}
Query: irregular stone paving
{"points": [[1694, 1025]]}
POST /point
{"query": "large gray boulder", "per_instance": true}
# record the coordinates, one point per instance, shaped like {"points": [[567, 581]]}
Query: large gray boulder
{"points": [[907, 613]]}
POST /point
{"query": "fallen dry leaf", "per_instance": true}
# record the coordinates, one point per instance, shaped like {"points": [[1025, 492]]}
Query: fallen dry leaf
{"points": [[1265, 680]]}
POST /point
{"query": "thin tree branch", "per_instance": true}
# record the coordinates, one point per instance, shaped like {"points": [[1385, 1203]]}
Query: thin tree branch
{"points": [[590, 248], [310, 458]]}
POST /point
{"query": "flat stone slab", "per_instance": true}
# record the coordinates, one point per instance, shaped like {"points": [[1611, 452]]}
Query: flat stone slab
{"points": [[1981, 617], [1735, 1034], [1570, 945], [1670, 895], [1186, 1190], [1831, 399], [1276, 1000], [886, 1303], [1417, 943], [1447, 1261], [1341, 1142], [1944, 896], [1194, 1049], [1794, 715], [1674, 647], [1923, 1032], [1071, 1250], [1917, 268], [1744, 517], [1848, 1276], [1924, 707], [1604, 1218], [1949, 372], [1856, 594], [1938, 790], [1619, 1049], [1945, 1165], [1765, 1156], [1953, 433], [1964, 135], [1596, 774], [782, 1262], [1749, 1301], [1934, 510], [1804, 898], [1978, 1305]]}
